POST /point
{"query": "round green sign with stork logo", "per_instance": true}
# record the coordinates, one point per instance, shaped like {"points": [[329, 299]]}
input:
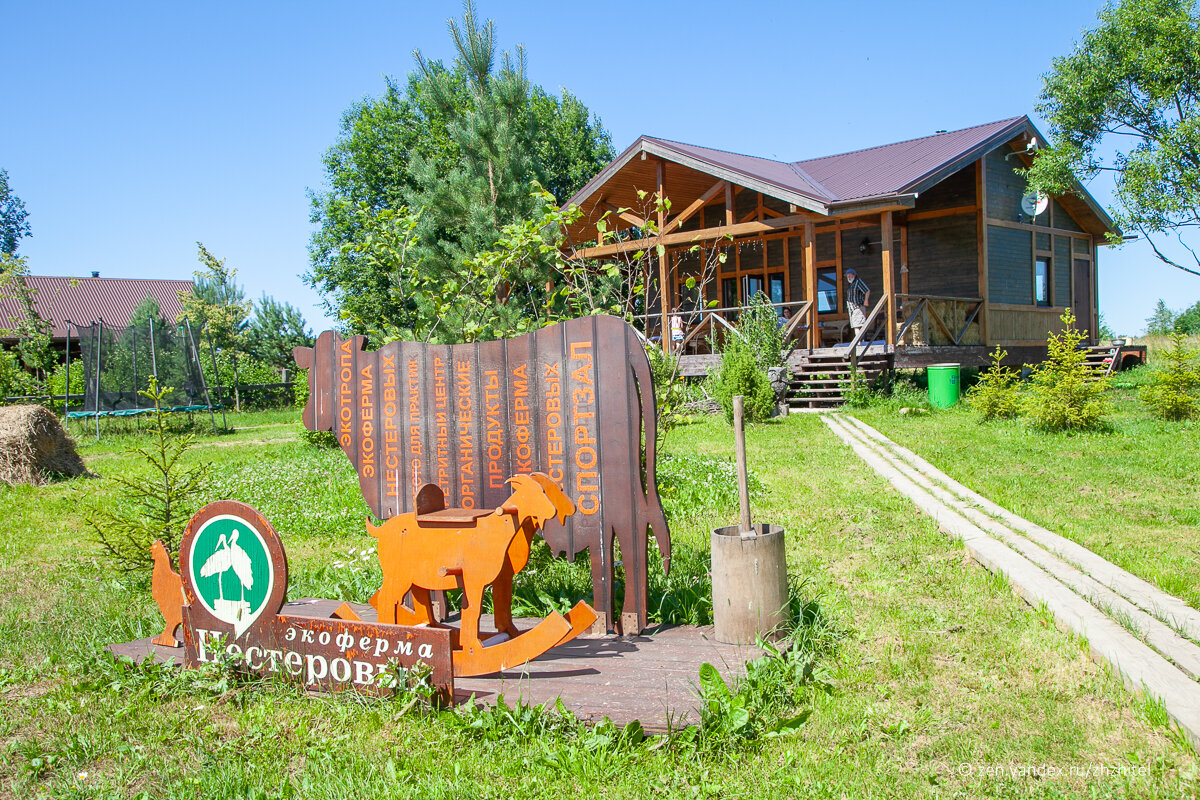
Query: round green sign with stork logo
{"points": [[231, 570]]}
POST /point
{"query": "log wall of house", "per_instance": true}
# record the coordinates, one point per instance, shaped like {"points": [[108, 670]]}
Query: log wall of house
{"points": [[795, 257], [1010, 266], [1005, 188], [953, 192], [943, 256], [1015, 242], [1061, 295]]}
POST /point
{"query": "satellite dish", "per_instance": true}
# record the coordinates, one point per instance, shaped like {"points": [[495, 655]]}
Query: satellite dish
{"points": [[1035, 204]]}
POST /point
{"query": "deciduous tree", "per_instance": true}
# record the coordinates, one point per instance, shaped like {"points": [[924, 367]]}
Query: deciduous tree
{"points": [[14, 219], [219, 304], [1127, 101]]}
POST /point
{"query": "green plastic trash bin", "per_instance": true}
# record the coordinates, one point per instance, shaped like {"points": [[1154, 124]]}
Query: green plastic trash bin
{"points": [[943, 384]]}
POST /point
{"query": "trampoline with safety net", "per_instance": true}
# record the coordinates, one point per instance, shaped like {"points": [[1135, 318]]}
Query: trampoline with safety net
{"points": [[118, 363]]}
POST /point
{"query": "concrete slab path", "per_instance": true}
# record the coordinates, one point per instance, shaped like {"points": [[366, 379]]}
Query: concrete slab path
{"points": [[1147, 635]]}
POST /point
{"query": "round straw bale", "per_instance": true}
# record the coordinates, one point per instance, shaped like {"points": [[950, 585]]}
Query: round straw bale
{"points": [[34, 448]]}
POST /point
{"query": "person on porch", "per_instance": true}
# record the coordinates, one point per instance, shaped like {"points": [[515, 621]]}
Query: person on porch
{"points": [[858, 296], [676, 324]]}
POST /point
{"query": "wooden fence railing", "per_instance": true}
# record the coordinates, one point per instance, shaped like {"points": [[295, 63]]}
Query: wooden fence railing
{"points": [[938, 320]]}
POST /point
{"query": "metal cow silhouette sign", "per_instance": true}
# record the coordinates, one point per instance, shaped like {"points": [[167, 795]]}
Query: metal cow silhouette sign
{"points": [[574, 401]]}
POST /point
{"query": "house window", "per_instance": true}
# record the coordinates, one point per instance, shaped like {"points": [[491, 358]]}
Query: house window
{"points": [[775, 282], [729, 292], [1041, 282], [827, 291]]}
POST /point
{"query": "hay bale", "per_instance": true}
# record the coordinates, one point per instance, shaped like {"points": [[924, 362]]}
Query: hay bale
{"points": [[34, 448]]}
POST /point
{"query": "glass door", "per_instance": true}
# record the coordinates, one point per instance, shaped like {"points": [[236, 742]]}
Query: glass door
{"points": [[751, 286]]}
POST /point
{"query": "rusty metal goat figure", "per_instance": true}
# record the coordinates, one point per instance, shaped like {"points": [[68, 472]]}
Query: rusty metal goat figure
{"points": [[437, 548]]}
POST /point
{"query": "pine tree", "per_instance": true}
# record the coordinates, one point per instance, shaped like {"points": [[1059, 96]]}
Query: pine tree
{"points": [[155, 504], [275, 329], [1065, 394], [1174, 390], [464, 209]]}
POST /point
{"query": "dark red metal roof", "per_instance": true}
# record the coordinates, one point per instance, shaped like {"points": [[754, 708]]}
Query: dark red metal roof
{"points": [[85, 300], [901, 167], [782, 174]]}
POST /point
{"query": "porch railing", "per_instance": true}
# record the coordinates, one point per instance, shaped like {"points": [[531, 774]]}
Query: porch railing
{"points": [[869, 331], [712, 320], [951, 317]]}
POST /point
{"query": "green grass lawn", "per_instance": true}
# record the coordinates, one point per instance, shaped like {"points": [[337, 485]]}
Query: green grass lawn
{"points": [[1131, 494], [940, 683]]}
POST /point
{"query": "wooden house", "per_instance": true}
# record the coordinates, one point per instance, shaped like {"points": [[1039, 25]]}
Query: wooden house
{"points": [[959, 255]]}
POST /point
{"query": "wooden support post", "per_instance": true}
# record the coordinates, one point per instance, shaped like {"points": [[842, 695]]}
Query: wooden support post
{"points": [[662, 257], [728, 203], [889, 274], [981, 237], [810, 283]]}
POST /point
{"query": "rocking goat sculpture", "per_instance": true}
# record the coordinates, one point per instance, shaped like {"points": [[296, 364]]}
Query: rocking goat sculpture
{"points": [[438, 548]]}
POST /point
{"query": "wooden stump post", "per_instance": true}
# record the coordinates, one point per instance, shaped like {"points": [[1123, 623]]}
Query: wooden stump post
{"points": [[739, 441]]}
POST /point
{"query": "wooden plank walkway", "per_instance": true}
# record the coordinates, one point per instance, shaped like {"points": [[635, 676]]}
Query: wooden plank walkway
{"points": [[1149, 637], [651, 678]]}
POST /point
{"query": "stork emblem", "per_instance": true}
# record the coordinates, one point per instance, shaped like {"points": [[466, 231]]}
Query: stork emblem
{"points": [[232, 571]]}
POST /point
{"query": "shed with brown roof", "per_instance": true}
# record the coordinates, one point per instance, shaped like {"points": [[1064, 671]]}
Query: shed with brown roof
{"points": [[58, 299]]}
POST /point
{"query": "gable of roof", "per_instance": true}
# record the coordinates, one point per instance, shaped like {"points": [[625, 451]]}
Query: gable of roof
{"points": [[894, 172], [85, 300]]}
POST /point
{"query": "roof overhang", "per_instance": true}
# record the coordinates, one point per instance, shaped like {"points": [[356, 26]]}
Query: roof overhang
{"points": [[1022, 125], [647, 147]]}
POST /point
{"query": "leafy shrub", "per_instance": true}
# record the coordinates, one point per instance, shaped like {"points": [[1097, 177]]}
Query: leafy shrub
{"points": [[1065, 393], [997, 394], [300, 388], [14, 380], [56, 383], [759, 326], [318, 438], [1174, 389], [156, 504], [670, 391], [856, 392], [740, 373]]}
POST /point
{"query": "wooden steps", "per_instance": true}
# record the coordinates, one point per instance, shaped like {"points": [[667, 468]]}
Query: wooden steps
{"points": [[1103, 359], [820, 379]]}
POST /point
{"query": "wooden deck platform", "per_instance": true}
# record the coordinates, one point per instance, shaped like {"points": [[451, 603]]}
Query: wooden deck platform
{"points": [[651, 678]]}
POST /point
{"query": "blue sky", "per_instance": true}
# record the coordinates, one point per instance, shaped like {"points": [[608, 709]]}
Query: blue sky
{"points": [[133, 130]]}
